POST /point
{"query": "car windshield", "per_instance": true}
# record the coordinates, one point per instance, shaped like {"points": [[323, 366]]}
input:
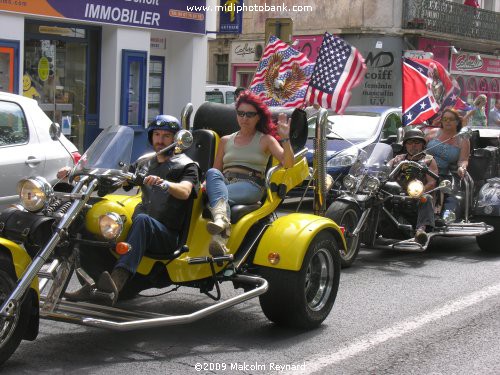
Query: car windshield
{"points": [[112, 149], [352, 126]]}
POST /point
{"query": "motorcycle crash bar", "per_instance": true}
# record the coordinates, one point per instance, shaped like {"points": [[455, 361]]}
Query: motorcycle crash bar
{"points": [[101, 316]]}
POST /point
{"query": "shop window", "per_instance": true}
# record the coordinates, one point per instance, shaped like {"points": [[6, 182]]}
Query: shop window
{"points": [[9, 71], [471, 90], [133, 89], [155, 89], [222, 62], [463, 89], [483, 85], [244, 79]]}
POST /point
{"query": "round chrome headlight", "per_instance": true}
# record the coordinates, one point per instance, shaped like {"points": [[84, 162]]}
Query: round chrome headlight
{"points": [[110, 225], [349, 182], [34, 193], [415, 188], [372, 183]]}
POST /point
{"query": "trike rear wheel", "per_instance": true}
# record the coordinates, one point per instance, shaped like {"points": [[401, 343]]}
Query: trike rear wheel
{"points": [[304, 298], [489, 242]]}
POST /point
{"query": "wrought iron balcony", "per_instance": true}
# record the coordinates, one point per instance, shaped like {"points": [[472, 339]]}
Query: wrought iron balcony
{"points": [[451, 18]]}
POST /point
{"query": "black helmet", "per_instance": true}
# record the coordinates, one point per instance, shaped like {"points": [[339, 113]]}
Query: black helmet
{"points": [[414, 134], [163, 122]]}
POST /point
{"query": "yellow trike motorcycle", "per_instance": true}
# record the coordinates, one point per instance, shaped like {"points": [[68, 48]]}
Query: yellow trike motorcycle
{"points": [[290, 262]]}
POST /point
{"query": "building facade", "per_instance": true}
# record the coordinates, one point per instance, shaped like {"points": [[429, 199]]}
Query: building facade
{"points": [[93, 64], [465, 40]]}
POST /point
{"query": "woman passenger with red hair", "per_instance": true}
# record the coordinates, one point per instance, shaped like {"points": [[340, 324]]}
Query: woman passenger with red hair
{"points": [[237, 176]]}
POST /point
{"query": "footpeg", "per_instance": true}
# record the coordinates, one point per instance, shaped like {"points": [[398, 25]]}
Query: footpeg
{"points": [[217, 259]]}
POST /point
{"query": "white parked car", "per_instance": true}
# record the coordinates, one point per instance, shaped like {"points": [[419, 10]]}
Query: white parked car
{"points": [[220, 94], [26, 146]]}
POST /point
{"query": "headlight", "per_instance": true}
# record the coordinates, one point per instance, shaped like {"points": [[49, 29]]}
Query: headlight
{"points": [[350, 182], [344, 159], [111, 225], [415, 188], [372, 183], [34, 193]]}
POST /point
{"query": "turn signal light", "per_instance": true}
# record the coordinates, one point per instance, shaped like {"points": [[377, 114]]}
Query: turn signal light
{"points": [[342, 229], [122, 248], [273, 258], [423, 199]]}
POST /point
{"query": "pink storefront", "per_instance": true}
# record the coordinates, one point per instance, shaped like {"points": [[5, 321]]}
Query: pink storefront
{"points": [[476, 76]]}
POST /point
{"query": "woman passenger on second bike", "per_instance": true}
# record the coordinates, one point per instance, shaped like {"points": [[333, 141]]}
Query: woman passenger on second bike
{"points": [[239, 167], [451, 153]]}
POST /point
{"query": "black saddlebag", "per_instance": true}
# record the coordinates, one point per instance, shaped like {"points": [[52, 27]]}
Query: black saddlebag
{"points": [[484, 163], [25, 227]]}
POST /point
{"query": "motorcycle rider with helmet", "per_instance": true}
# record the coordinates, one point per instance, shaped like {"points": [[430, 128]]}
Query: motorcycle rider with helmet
{"points": [[414, 143], [170, 182]]}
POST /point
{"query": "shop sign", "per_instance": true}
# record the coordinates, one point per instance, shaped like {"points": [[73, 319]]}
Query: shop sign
{"points": [[246, 51], [230, 16], [43, 68], [469, 64], [158, 43], [416, 54], [175, 15]]}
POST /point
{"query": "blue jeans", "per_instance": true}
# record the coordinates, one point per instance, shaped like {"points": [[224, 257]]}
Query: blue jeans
{"points": [[425, 216], [240, 192], [148, 234]]}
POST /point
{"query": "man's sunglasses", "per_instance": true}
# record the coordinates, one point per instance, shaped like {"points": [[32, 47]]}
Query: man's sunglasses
{"points": [[247, 114]]}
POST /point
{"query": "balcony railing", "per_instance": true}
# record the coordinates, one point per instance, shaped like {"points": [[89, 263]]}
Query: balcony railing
{"points": [[451, 18]]}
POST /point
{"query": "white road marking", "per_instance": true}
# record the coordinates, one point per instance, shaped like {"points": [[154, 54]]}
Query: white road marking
{"points": [[367, 342]]}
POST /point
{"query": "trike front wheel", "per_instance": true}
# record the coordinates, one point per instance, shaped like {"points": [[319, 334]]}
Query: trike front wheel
{"points": [[304, 298], [11, 329]]}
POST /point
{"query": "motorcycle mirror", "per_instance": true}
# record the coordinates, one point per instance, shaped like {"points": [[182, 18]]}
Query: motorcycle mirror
{"points": [[184, 139]]}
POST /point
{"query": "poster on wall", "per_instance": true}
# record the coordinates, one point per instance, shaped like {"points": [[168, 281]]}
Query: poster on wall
{"points": [[175, 15], [382, 82], [230, 16]]}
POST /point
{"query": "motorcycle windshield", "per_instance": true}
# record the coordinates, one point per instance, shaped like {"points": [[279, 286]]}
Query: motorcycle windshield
{"points": [[112, 149], [372, 161]]}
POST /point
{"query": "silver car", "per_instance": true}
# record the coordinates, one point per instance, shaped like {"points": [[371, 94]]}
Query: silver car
{"points": [[26, 146]]}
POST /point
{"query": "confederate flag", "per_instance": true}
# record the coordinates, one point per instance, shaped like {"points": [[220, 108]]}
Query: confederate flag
{"points": [[427, 89]]}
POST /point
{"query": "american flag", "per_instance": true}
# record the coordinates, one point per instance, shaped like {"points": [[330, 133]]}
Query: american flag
{"points": [[339, 68], [282, 76]]}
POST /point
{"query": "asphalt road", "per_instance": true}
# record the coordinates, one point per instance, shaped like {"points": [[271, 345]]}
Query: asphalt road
{"points": [[436, 312]]}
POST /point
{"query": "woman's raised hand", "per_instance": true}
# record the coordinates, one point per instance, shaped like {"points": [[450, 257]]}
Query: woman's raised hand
{"points": [[284, 125]]}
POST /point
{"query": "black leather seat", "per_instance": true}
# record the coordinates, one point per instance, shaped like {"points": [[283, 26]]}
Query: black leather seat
{"points": [[203, 150]]}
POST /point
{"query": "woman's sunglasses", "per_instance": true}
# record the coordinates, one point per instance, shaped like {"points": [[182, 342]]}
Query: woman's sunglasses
{"points": [[247, 114]]}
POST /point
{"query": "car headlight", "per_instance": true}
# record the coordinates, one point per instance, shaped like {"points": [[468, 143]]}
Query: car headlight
{"points": [[34, 193], [372, 183], [345, 158], [350, 182], [110, 225], [415, 188]]}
